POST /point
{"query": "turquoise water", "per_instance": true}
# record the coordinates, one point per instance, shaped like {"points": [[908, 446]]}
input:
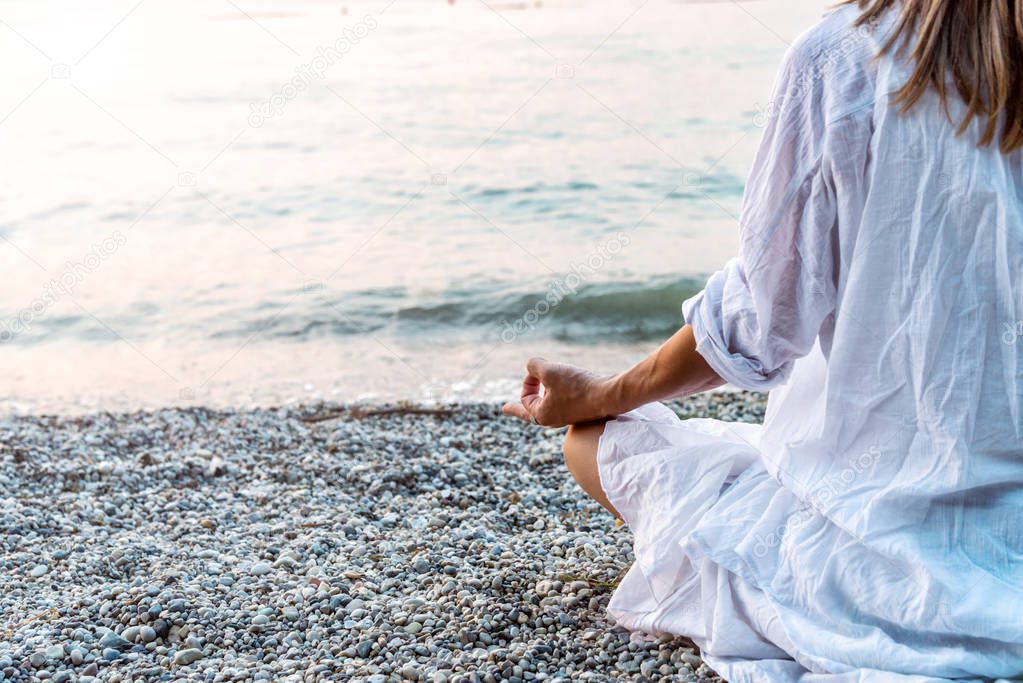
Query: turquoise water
{"points": [[238, 202]]}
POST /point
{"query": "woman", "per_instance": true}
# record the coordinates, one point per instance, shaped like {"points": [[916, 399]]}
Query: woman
{"points": [[872, 528]]}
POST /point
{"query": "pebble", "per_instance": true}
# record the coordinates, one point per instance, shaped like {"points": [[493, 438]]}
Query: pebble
{"points": [[691, 658], [186, 657], [114, 641], [449, 549]]}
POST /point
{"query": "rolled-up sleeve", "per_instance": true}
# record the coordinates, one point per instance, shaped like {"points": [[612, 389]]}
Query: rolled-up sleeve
{"points": [[765, 308]]}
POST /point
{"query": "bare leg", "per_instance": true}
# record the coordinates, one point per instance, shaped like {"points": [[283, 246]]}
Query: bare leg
{"points": [[581, 458]]}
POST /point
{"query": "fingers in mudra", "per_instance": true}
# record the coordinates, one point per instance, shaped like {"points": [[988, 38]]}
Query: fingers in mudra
{"points": [[530, 398], [558, 394]]}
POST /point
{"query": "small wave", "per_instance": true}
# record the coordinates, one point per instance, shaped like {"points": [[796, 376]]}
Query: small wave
{"points": [[602, 312], [534, 188], [591, 313], [58, 210]]}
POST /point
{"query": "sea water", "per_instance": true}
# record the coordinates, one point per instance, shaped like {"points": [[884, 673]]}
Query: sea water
{"points": [[244, 201]]}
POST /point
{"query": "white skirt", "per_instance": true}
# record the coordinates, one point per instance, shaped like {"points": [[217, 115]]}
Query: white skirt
{"points": [[702, 510]]}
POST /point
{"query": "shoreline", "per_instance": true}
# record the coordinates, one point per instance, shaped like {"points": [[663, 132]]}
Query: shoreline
{"points": [[367, 542]]}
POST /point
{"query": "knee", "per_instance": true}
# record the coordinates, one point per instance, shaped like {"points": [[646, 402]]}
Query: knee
{"points": [[580, 446], [573, 443], [569, 445]]}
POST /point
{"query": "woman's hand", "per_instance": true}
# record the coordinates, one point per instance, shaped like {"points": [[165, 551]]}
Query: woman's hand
{"points": [[570, 395]]}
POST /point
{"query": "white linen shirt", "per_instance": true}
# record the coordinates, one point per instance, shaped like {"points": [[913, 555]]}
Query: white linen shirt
{"points": [[879, 293]]}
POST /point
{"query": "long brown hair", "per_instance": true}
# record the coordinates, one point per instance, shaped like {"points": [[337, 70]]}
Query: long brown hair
{"points": [[978, 42]]}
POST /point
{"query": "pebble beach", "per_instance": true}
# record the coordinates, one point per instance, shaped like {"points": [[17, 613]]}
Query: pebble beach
{"points": [[441, 543]]}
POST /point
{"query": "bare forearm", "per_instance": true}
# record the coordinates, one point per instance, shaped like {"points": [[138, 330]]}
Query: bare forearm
{"points": [[557, 394], [675, 369]]}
